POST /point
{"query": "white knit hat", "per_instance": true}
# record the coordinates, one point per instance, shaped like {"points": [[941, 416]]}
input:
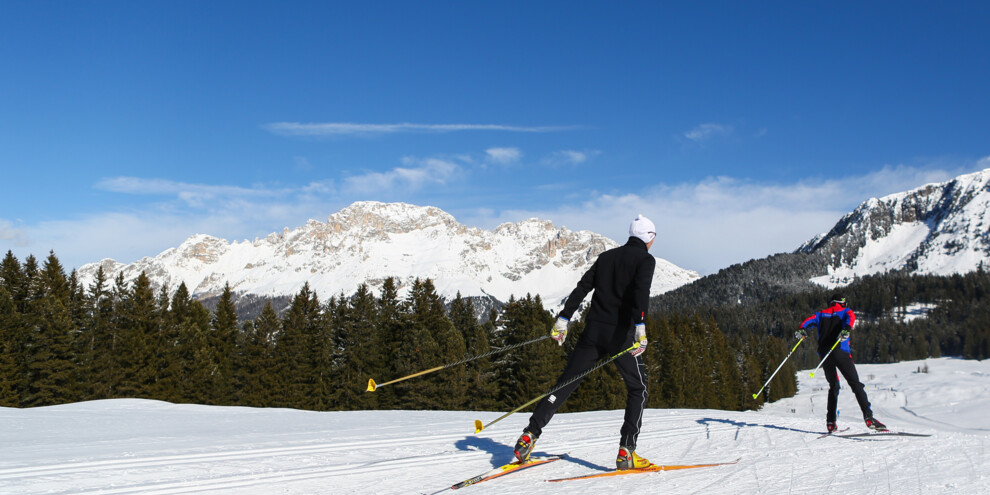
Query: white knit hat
{"points": [[642, 228]]}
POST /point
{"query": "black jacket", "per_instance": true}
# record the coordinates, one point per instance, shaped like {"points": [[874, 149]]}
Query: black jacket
{"points": [[621, 278]]}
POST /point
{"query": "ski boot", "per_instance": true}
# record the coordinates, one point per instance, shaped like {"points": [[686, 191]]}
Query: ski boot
{"points": [[524, 446], [830, 426], [873, 424], [627, 459]]}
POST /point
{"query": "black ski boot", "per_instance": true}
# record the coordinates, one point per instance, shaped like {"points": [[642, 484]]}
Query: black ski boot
{"points": [[873, 424]]}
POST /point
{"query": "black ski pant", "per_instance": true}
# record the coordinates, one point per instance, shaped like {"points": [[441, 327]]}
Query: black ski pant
{"points": [[842, 361], [600, 341]]}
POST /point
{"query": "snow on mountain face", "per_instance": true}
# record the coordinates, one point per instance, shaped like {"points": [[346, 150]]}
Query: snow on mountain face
{"points": [[368, 242], [936, 229]]}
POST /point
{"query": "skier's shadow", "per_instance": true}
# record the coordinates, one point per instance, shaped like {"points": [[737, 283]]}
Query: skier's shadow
{"points": [[706, 422], [502, 453]]}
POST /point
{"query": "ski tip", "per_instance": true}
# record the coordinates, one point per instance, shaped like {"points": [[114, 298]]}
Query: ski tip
{"points": [[372, 385], [478, 426]]}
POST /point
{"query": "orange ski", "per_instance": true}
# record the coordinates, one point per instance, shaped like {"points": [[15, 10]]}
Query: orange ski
{"points": [[649, 469]]}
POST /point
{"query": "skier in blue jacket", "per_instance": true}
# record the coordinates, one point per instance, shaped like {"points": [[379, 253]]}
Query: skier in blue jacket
{"points": [[833, 324]]}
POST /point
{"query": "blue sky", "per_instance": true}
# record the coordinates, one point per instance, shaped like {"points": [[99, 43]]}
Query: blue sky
{"points": [[742, 129]]}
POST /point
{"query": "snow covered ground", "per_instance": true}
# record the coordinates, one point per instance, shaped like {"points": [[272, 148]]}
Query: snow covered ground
{"points": [[148, 447]]}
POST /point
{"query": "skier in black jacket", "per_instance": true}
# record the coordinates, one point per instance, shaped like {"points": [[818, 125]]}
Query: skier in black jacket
{"points": [[621, 279]]}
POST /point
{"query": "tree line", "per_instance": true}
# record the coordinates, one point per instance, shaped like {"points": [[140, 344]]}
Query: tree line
{"points": [[63, 342], [954, 317]]}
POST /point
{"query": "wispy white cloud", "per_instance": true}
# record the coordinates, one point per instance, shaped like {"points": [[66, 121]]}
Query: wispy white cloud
{"points": [[571, 157], [9, 233], [167, 212], [319, 187], [503, 156], [430, 171], [302, 164], [298, 129], [193, 195], [711, 224], [705, 132], [155, 186]]}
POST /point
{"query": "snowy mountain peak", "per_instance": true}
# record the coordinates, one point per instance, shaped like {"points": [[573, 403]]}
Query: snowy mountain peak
{"points": [[374, 217], [939, 228], [368, 242]]}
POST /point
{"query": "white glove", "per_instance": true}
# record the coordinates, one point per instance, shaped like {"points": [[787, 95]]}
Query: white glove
{"points": [[641, 338], [559, 330]]}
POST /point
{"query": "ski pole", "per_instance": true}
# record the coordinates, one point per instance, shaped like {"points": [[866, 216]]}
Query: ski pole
{"points": [[478, 426], [826, 357], [779, 367], [372, 386]]}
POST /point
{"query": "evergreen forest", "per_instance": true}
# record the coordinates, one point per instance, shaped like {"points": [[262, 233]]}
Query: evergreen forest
{"points": [[62, 342]]}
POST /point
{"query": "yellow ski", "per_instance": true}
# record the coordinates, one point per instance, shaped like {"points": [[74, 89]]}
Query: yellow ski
{"points": [[508, 468]]}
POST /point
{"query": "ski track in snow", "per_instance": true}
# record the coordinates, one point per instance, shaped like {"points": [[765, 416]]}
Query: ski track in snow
{"points": [[149, 447]]}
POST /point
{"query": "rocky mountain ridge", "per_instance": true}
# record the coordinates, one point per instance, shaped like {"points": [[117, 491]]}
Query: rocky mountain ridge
{"points": [[940, 229], [368, 242]]}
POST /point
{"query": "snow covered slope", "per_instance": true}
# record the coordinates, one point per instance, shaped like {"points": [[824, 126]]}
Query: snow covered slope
{"points": [[935, 229], [368, 242], [155, 448]]}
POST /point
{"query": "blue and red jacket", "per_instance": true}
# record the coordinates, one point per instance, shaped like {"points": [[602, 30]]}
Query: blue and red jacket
{"points": [[830, 322]]}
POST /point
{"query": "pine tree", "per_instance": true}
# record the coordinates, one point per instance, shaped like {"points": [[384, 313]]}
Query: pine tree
{"points": [[193, 353], [170, 379], [417, 350], [531, 370], [13, 278], [356, 350], [30, 281], [80, 337], [141, 341], [480, 376], [324, 382], [49, 360], [722, 368], [678, 381], [429, 320], [86, 343], [224, 342], [14, 282], [749, 370], [391, 328], [50, 342], [9, 375], [296, 350], [261, 375], [108, 338]]}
